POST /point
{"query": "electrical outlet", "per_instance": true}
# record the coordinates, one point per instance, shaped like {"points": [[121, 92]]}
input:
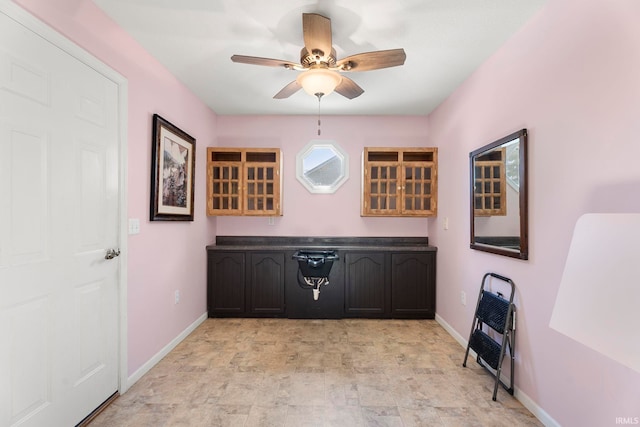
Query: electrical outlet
{"points": [[463, 298], [177, 297]]}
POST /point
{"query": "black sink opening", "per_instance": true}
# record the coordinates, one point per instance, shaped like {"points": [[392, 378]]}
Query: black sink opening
{"points": [[315, 263]]}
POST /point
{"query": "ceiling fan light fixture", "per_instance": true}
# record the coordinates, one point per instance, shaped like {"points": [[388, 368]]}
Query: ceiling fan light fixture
{"points": [[319, 81]]}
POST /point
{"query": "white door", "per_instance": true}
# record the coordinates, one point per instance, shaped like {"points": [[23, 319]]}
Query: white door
{"points": [[58, 215]]}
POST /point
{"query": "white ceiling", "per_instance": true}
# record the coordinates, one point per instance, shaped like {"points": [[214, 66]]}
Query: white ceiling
{"points": [[445, 41]]}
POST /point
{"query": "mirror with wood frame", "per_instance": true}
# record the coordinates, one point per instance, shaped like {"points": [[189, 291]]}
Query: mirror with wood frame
{"points": [[499, 220]]}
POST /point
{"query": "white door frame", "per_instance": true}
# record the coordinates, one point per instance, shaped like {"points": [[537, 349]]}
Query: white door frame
{"points": [[32, 23]]}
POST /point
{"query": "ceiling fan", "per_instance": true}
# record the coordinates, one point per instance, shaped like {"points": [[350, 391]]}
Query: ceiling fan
{"points": [[320, 69]]}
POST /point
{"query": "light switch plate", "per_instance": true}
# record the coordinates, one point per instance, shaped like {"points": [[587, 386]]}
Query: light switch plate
{"points": [[134, 225]]}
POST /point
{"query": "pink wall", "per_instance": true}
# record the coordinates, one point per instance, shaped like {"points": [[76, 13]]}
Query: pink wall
{"points": [[308, 214], [571, 77], [165, 256]]}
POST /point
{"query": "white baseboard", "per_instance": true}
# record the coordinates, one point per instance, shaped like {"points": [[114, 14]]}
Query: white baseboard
{"points": [[522, 397], [162, 353]]}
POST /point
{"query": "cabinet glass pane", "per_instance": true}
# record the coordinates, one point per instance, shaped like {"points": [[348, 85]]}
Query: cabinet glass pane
{"points": [[413, 203], [225, 202]]}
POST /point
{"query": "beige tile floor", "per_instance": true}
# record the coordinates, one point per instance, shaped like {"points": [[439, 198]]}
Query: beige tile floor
{"points": [[284, 372]]}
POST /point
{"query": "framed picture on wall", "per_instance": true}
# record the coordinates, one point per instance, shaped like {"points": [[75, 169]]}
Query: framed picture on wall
{"points": [[172, 172]]}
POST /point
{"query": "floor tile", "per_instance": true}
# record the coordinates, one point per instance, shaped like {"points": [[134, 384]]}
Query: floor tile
{"points": [[325, 373]]}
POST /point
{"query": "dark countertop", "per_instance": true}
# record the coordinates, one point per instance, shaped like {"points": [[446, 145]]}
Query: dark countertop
{"points": [[244, 243]]}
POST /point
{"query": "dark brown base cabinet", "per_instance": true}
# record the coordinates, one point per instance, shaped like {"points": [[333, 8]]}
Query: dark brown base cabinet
{"points": [[266, 283], [413, 285], [366, 282], [226, 283], [230, 294]]}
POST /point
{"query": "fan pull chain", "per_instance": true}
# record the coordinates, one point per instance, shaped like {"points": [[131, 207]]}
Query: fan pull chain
{"points": [[319, 95]]}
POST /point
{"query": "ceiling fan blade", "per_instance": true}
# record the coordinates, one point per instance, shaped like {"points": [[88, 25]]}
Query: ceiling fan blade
{"points": [[288, 90], [254, 60], [348, 88], [316, 31], [373, 60]]}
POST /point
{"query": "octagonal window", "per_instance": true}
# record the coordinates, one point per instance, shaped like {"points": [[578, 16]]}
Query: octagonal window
{"points": [[322, 166]]}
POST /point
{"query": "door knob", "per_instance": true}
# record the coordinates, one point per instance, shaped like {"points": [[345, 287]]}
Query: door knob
{"points": [[112, 253]]}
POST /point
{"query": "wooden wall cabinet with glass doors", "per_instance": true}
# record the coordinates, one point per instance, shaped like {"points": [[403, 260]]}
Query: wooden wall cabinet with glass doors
{"points": [[244, 181], [490, 196], [400, 181]]}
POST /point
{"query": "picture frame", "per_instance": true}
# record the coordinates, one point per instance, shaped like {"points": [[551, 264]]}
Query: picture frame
{"points": [[172, 172]]}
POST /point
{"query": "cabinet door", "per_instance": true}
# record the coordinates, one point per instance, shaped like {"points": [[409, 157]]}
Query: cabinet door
{"points": [[364, 284], [226, 283], [413, 289], [419, 189], [267, 282], [262, 189], [224, 182], [382, 189]]}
